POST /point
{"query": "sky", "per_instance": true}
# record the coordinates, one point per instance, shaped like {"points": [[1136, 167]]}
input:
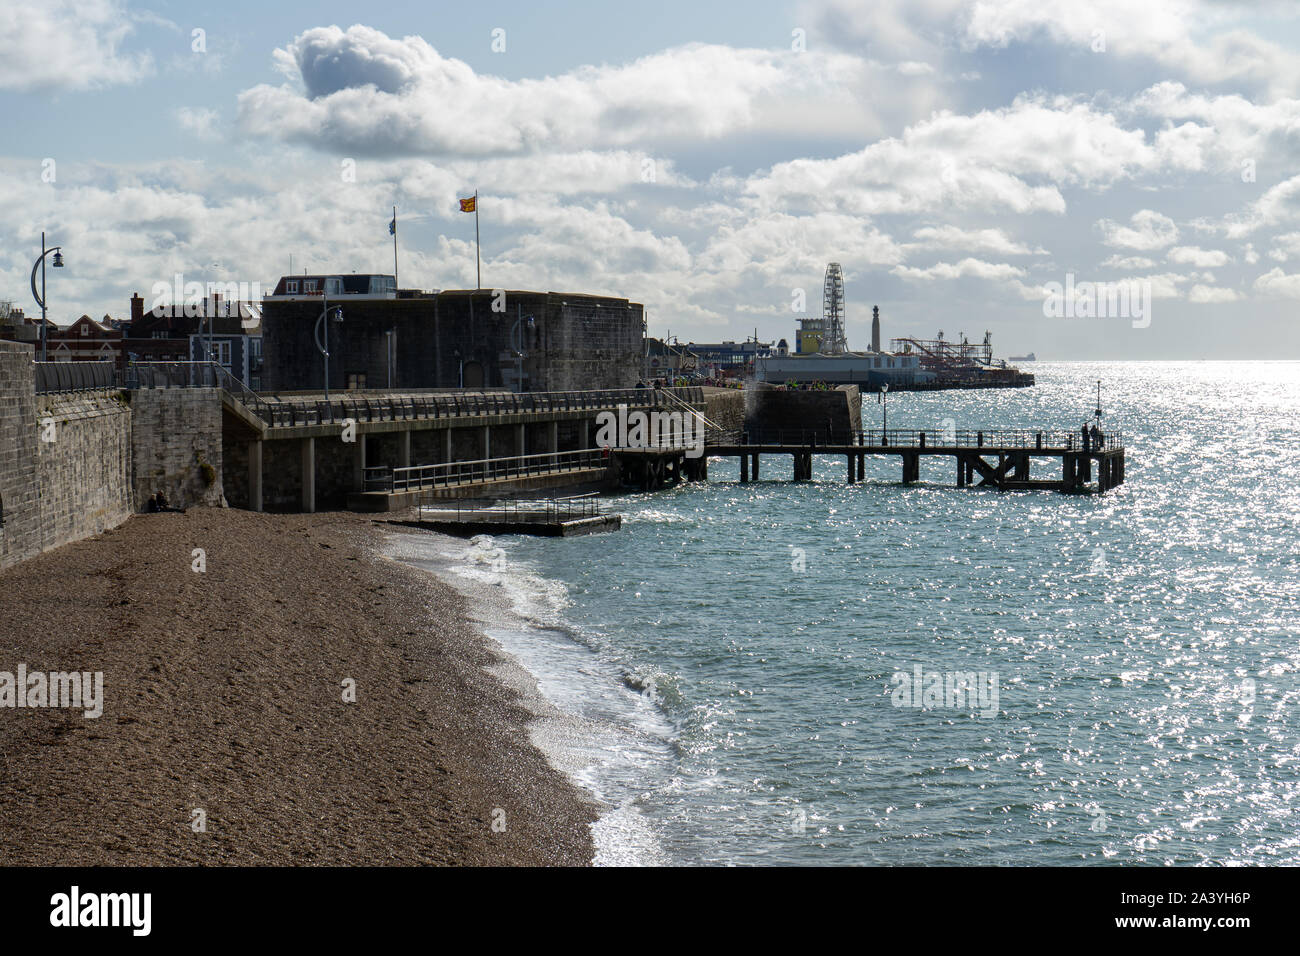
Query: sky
{"points": [[973, 165]]}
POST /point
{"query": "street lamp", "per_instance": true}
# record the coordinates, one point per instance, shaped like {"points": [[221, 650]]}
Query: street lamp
{"points": [[517, 343], [40, 298], [324, 348], [884, 413]]}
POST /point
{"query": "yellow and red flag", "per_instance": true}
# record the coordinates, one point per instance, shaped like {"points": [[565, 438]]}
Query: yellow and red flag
{"points": [[467, 205]]}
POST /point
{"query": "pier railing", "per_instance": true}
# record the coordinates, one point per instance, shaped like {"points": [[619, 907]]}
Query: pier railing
{"points": [[289, 410], [548, 510], [930, 439], [446, 474]]}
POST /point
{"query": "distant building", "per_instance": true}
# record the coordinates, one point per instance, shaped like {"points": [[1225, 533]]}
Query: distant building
{"points": [[868, 369], [729, 356], [17, 327], [526, 341], [228, 333], [669, 359], [85, 340], [810, 364]]}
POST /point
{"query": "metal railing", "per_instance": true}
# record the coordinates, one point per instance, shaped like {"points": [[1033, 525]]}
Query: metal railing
{"points": [[548, 510], [936, 439], [288, 411], [446, 474], [194, 375], [74, 376]]}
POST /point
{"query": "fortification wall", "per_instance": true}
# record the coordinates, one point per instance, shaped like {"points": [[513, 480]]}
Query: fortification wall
{"points": [[65, 461], [835, 413], [725, 407], [176, 446]]}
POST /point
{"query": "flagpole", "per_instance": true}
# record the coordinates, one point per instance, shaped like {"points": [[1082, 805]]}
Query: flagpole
{"points": [[394, 248], [478, 255]]}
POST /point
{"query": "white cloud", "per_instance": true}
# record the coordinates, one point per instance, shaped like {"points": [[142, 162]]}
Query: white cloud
{"points": [[1201, 40], [1277, 284], [1277, 205], [1197, 39], [199, 122], [976, 268], [1196, 256], [67, 45], [363, 92], [987, 240], [1150, 230], [1210, 295], [1128, 263], [1012, 159]]}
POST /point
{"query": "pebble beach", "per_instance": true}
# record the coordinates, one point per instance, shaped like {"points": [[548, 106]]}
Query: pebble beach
{"points": [[227, 736]]}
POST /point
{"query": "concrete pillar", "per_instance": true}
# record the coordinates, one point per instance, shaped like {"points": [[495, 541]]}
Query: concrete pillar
{"points": [[404, 449], [255, 476], [308, 475], [586, 433], [519, 440], [553, 440], [756, 466], [961, 472], [446, 445], [487, 441], [862, 467], [359, 463], [744, 468], [852, 471]]}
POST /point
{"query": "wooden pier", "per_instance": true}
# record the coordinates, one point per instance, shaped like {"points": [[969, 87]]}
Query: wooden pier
{"points": [[545, 517], [997, 458]]}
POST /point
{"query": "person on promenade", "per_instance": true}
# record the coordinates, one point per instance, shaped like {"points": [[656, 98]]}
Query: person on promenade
{"points": [[1083, 432]]}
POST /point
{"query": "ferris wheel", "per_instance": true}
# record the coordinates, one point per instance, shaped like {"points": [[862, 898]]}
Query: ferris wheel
{"points": [[833, 310]]}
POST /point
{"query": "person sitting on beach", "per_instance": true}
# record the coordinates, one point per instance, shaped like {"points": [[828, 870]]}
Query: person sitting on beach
{"points": [[152, 505], [161, 501]]}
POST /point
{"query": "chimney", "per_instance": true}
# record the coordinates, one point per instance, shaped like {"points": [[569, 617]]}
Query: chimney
{"points": [[875, 328], [137, 308]]}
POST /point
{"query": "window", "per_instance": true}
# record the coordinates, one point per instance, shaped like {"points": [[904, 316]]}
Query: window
{"points": [[356, 379], [309, 285], [333, 286], [223, 354], [160, 334], [85, 330], [290, 286]]}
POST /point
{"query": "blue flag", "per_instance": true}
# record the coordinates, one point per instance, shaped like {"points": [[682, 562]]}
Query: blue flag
{"points": [[392, 227]]}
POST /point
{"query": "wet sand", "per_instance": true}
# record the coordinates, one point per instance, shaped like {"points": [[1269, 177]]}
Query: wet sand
{"points": [[224, 693]]}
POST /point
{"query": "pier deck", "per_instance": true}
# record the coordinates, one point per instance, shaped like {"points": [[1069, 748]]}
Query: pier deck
{"points": [[547, 517], [994, 458]]}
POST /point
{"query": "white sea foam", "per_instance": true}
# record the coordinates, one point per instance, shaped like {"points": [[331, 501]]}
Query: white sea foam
{"points": [[589, 723]]}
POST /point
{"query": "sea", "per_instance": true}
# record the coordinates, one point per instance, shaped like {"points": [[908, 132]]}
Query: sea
{"points": [[887, 674]]}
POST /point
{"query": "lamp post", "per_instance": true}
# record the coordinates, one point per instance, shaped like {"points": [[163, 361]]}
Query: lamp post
{"points": [[517, 342], [40, 298], [324, 348], [884, 413]]}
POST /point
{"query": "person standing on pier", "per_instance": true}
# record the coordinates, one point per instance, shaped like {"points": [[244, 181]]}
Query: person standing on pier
{"points": [[1083, 432]]}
